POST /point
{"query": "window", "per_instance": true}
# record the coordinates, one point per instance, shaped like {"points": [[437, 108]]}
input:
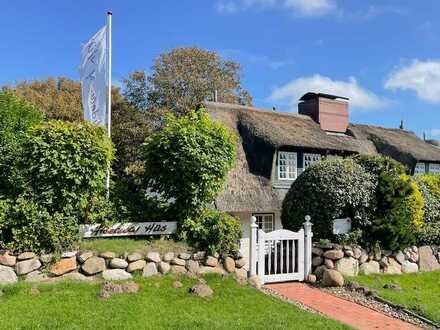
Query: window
{"points": [[419, 169], [309, 159], [434, 168], [265, 221], [287, 165]]}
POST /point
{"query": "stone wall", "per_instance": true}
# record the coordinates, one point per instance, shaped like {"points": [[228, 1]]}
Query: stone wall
{"points": [[88, 265], [354, 260]]}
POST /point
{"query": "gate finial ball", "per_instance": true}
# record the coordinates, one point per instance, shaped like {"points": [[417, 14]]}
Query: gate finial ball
{"points": [[308, 218]]}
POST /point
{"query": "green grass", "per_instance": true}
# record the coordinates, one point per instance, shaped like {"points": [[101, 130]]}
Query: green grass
{"points": [[70, 305], [121, 245], [420, 292]]}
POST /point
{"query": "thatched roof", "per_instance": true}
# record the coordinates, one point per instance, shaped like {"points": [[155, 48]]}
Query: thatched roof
{"points": [[262, 132], [399, 144]]}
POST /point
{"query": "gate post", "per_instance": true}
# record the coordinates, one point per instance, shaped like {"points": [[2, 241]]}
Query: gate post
{"points": [[253, 257], [308, 234]]}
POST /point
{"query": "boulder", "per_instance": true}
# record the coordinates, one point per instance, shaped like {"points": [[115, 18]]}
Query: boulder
{"points": [[393, 267], [371, 267], [347, 266], [118, 263], [69, 254], [178, 262], [63, 266], [136, 265], [229, 264], [149, 270], [364, 257], [317, 261], [332, 277], [26, 256], [82, 257], [329, 263], [202, 290], [216, 270], [319, 271], [27, 266], [134, 257], [93, 265], [334, 254], [36, 276], [107, 255], [46, 258], [409, 267], [7, 275], [241, 273], [75, 276], [167, 257], [241, 262], [199, 255], [317, 251], [357, 252], [176, 269], [7, 260], [211, 261], [184, 256], [116, 275], [164, 267], [192, 266], [255, 281], [349, 253], [427, 261], [311, 278], [153, 257], [400, 257]]}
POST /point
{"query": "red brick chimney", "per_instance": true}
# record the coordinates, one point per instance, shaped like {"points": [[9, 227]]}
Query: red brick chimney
{"points": [[329, 111]]}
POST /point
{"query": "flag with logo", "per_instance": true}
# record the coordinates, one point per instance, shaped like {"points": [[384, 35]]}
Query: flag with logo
{"points": [[94, 78]]}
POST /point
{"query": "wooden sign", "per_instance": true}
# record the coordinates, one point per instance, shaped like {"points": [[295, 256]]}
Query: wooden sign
{"points": [[128, 229], [341, 226]]}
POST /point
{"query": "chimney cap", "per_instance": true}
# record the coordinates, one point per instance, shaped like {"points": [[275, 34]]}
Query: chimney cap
{"points": [[311, 95]]}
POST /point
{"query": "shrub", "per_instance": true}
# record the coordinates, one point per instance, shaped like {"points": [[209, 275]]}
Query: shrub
{"points": [[327, 190], [188, 160], [16, 117], [429, 185], [64, 164], [213, 231], [32, 227], [399, 203]]}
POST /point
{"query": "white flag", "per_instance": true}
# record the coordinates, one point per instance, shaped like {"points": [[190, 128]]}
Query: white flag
{"points": [[94, 78]]}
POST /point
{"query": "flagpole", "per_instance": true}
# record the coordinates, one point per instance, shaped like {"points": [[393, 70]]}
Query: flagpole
{"points": [[109, 90]]}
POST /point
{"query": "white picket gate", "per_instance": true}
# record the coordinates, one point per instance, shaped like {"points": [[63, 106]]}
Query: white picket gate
{"points": [[281, 255]]}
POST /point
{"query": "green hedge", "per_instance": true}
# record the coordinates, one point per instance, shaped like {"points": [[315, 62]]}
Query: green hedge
{"points": [[327, 190], [429, 185]]}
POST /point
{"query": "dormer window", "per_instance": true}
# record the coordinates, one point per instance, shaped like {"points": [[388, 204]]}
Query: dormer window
{"points": [[309, 159], [420, 168], [287, 165], [434, 168]]}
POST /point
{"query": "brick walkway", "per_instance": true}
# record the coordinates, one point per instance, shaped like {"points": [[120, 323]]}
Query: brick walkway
{"points": [[347, 312]]}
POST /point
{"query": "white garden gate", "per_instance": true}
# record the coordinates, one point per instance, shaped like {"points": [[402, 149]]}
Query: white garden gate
{"points": [[281, 255]]}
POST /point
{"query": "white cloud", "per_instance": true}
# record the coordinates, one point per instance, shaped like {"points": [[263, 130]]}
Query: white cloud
{"points": [[360, 97], [423, 77], [296, 7]]}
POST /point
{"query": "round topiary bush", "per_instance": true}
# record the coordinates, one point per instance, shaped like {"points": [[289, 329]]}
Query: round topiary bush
{"points": [[429, 185], [213, 231], [329, 189]]}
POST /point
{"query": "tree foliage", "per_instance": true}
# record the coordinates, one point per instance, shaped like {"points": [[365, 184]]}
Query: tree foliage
{"points": [[329, 189], [184, 77], [188, 160], [16, 116]]}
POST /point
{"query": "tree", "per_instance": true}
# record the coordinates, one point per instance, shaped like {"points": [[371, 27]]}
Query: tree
{"points": [[183, 78], [188, 160], [59, 98]]}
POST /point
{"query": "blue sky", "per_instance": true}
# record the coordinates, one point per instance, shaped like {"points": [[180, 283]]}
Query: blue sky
{"points": [[383, 54]]}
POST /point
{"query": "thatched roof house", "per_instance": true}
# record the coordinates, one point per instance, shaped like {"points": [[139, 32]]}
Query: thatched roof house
{"points": [[275, 147]]}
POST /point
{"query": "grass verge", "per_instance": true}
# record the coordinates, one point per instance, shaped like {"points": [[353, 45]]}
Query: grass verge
{"points": [[70, 305], [420, 291]]}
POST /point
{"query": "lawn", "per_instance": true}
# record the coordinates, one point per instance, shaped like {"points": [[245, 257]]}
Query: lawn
{"points": [[420, 292], [158, 305], [121, 245]]}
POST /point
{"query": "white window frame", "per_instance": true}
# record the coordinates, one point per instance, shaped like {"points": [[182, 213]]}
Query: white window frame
{"points": [[434, 168], [290, 162], [265, 221], [309, 162], [420, 168]]}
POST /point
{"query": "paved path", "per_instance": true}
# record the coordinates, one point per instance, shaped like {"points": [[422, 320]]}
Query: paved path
{"points": [[347, 312]]}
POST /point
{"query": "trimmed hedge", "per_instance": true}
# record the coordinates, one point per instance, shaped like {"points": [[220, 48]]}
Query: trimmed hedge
{"points": [[329, 189], [429, 185]]}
